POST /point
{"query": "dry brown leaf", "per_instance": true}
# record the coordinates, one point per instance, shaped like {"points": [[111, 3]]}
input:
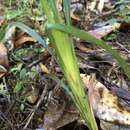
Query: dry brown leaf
{"points": [[106, 106], [4, 64], [125, 26], [23, 40], [2, 20], [82, 47], [3, 71], [74, 17], [10, 37], [3, 56], [103, 31], [33, 96], [59, 113], [53, 114]]}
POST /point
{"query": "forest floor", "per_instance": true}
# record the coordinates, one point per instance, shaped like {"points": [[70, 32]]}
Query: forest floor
{"points": [[32, 85]]}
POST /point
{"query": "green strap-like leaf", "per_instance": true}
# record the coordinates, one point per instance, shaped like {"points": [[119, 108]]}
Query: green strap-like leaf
{"points": [[66, 8], [89, 38], [31, 32], [2, 31], [52, 4]]}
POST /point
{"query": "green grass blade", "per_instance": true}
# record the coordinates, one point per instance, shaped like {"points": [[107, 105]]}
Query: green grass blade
{"points": [[2, 32], [48, 11], [89, 38], [66, 8], [31, 32], [55, 11]]}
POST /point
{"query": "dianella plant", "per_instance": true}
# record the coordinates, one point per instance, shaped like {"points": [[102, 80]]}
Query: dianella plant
{"points": [[60, 32], [63, 45]]}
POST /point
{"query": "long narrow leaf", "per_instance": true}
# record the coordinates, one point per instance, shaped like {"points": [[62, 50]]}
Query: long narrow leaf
{"points": [[55, 11], [31, 32], [66, 8], [89, 38], [2, 31]]}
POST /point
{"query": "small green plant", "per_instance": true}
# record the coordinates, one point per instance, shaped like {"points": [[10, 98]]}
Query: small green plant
{"points": [[111, 37], [21, 9], [64, 49], [18, 87]]}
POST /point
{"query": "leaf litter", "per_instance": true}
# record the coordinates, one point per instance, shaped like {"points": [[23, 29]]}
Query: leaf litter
{"points": [[44, 102]]}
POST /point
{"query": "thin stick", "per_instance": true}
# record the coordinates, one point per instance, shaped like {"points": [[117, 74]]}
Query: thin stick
{"points": [[37, 106]]}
